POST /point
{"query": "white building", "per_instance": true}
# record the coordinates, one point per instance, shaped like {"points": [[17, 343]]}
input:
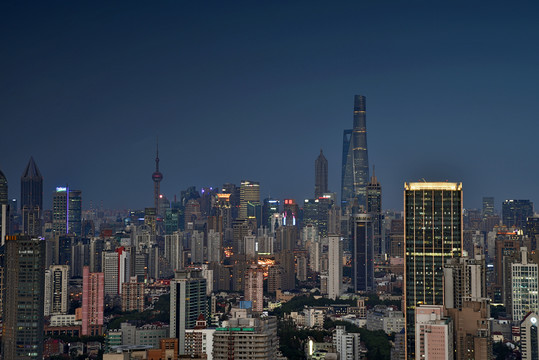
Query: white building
{"points": [[348, 345], [335, 255], [524, 287], [529, 337]]}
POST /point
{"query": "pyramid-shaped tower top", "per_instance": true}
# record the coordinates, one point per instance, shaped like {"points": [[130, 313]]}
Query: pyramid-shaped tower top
{"points": [[31, 170], [374, 180]]}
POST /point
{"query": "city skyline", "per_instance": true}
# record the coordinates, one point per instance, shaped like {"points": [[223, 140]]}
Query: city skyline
{"points": [[426, 69]]}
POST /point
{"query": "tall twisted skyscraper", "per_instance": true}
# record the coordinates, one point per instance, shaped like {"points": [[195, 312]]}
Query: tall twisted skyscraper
{"points": [[355, 158], [320, 175]]}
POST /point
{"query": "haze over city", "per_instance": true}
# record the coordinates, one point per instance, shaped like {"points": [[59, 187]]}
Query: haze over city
{"points": [[252, 90]]}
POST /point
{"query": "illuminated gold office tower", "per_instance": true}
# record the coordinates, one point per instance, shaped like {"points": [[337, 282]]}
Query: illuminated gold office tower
{"points": [[432, 234], [249, 197]]}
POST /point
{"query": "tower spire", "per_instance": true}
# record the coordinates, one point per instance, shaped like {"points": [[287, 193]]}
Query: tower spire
{"points": [[156, 177], [157, 155]]}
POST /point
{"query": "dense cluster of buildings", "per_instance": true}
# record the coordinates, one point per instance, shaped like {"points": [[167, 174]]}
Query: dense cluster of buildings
{"points": [[63, 269]]}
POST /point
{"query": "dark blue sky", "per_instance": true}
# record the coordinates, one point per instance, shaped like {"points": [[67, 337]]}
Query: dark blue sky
{"points": [[252, 90]]}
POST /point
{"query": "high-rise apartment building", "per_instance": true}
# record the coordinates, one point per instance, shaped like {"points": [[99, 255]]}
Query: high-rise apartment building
{"points": [[23, 295], [31, 199], [516, 212], [347, 345], [56, 291], [374, 208], [93, 297], [355, 158], [466, 303], [432, 235], [133, 295], [246, 337], [320, 175], [116, 269], [362, 252], [335, 255], [254, 287], [249, 194], [187, 302], [524, 287], [433, 333]]}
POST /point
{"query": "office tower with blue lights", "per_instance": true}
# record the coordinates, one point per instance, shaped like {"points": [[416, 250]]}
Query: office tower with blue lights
{"points": [[67, 211], [31, 199], [355, 159], [432, 235]]}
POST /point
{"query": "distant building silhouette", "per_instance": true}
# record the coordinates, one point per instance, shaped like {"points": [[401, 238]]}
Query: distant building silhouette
{"points": [[31, 199], [320, 175], [516, 212], [374, 208], [355, 159], [157, 177], [488, 206], [362, 253]]}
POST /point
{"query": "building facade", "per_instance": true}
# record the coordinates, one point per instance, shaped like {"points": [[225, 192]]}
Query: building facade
{"points": [[23, 298], [93, 299], [432, 235], [187, 302], [355, 158]]}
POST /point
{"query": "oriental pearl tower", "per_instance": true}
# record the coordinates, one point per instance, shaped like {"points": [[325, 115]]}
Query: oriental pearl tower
{"points": [[156, 177]]}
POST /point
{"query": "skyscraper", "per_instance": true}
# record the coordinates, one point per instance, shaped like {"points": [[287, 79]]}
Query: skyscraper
{"points": [[355, 159], [56, 291], [187, 302], [67, 211], [254, 292], [93, 297], [363, 253], [4, 216], [524, 285], [320, 175], [156, 177], [249, 194], [488, 206], [374, 208], [516, 212], [432, 235], [23, 308], [335, 266], [31, 199]]}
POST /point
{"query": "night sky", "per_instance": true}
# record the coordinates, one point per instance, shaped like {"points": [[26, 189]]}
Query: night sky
{"points": [[252, 90]]}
